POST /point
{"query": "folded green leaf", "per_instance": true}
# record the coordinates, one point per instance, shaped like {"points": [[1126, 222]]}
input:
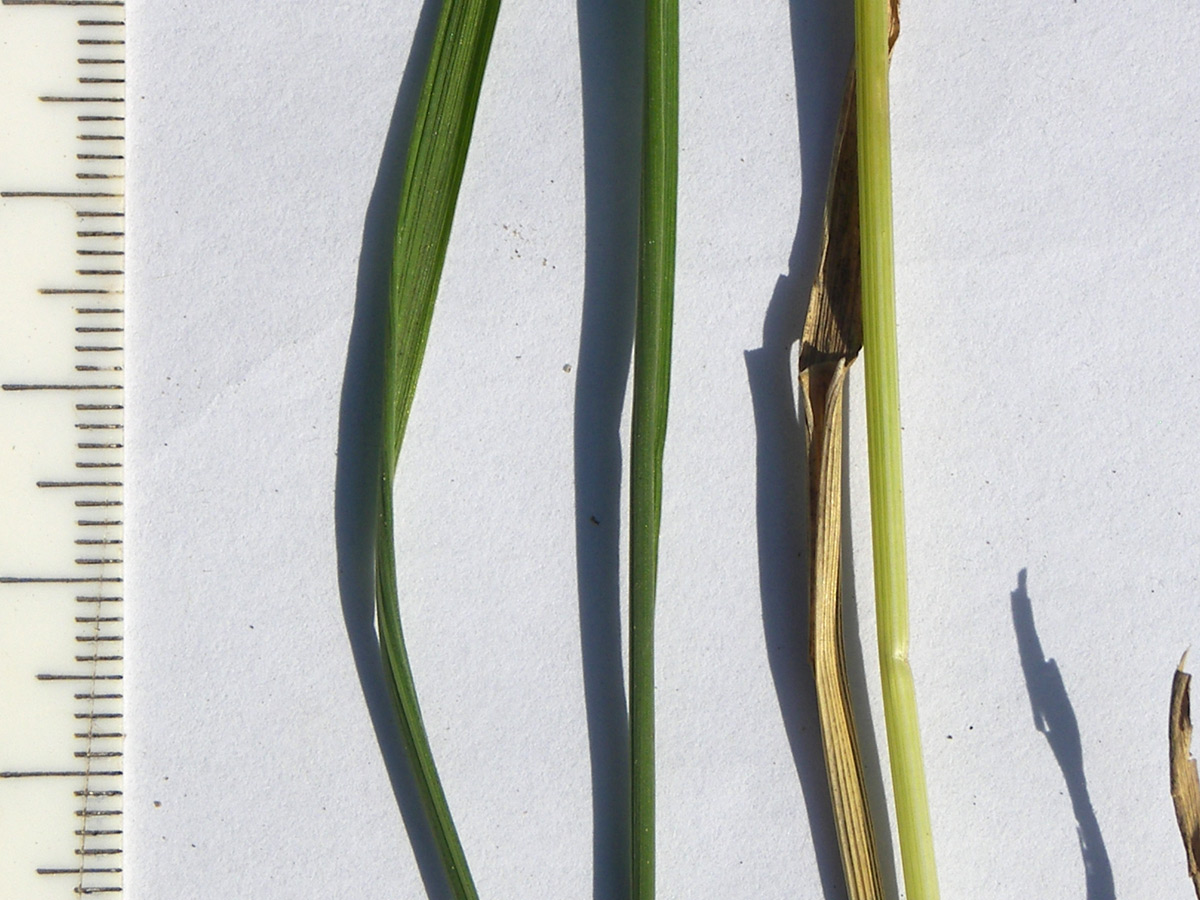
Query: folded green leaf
{"points": [[437, 155]]}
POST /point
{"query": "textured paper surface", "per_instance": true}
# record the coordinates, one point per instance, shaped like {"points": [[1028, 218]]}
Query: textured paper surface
{"points": [[1047, 177]]}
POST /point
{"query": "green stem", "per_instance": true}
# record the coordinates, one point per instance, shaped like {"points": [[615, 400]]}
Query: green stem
{"points": [[651, 382], [883, 443], [412, 728], [437, 155]]}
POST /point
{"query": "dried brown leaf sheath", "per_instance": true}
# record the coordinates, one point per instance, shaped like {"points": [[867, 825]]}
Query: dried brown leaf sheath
{"points": [[852, 816], [831, 341], [1185, 783], [833, 327]]}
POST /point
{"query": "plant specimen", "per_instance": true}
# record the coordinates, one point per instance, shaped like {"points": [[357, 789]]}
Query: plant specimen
{"points": [[853, 294], [831, 341], [874, 21], [651, 381], [860, 187], [437, 155]]}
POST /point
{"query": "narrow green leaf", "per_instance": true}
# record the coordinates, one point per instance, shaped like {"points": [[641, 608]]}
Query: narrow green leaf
{"points": [[437, 155], [651, 382], [873, 22]]}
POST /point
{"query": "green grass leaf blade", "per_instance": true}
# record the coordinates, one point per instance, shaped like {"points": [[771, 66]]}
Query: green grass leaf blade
{"points": [[651, 382], [436, 159], [437, 156], [872, 24]]}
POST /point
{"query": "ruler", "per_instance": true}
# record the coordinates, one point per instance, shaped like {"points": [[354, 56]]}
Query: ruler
{"points": [[62, 163]]}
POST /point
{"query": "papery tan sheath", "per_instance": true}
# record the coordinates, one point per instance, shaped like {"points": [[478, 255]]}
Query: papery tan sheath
{"points": [[831, 341], [1185, 783]]}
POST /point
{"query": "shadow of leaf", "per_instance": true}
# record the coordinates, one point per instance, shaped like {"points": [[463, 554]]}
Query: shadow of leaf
{"points": [[1054, 717], [357, 480], [610, 59]]}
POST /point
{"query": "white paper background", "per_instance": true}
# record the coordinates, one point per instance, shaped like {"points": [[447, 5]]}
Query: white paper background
{"points": [[1047, 176]]}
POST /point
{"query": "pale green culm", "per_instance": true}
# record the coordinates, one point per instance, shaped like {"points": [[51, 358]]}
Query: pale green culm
{"points": [[881, 379], [437, 155]]}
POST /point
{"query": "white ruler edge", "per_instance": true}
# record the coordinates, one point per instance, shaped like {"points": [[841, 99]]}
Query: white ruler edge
{"points": [[62, 229]]}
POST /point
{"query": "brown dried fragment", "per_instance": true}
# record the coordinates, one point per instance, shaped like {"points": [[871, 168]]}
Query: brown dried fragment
{"points": [[1185, 782], [831, 341], [839, 740], [833, 326]]}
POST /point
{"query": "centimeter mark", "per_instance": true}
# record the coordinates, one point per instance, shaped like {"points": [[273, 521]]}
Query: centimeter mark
{"points": [[43, 194], [62, 387], [75, 773]]}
